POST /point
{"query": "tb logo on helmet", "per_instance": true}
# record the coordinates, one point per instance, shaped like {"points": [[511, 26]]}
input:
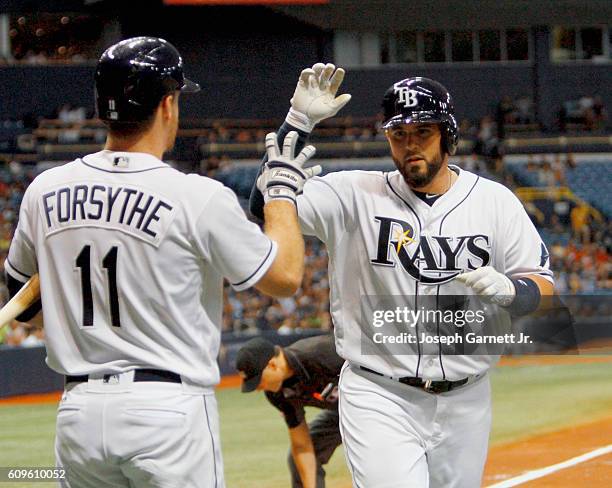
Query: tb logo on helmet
{"points": [[405, 95]]}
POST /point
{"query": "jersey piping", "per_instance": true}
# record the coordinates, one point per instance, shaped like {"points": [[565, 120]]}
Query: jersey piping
{"points": [[17, 270], [122, 172], [438, 287], [258, 267]]}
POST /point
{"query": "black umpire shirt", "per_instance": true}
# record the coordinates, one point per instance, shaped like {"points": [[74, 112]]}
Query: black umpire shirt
{"points": [[315, 382]]}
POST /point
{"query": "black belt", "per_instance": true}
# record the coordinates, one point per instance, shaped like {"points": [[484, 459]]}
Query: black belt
{"points": [[139, 375], [429, 386]]}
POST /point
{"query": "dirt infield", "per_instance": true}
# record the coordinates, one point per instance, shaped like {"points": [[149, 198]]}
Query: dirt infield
{"points": [[232, 381], [510, 460], [513, 459], [53, 397]]}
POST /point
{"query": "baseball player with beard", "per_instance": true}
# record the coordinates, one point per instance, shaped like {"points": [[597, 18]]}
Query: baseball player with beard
{"points": [[131, 256], [427, 230]]}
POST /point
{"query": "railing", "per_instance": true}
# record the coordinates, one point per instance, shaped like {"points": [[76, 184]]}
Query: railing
{"points": [[56, 138], [528, 194]]}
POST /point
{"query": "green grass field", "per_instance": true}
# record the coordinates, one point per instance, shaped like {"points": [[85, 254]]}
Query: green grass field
{"points": [[527, 400]]}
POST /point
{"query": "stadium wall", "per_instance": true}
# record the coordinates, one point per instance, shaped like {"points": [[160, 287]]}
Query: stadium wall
{"points": [[24, 370]]}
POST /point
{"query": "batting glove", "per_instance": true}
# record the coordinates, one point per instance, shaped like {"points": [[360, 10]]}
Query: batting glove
{"points": [[493, 286], [284, 175], [315, 98]]}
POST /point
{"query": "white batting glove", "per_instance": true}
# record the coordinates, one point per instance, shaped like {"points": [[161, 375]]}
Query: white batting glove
{"points": [[492, 285], [284, 175], [315, 98]]}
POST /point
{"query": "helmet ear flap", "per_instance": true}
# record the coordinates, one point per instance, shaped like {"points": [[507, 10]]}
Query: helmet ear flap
{"points": [[449, 138], [444, 138]]}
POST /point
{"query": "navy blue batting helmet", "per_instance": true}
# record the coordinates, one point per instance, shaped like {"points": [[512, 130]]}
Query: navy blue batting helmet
{"points": [[421, 100], [133, 76]]}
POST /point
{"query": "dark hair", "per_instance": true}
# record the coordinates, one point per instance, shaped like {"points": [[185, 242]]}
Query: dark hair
{"points": [[129, 129], [277, 351], [133, 128]]}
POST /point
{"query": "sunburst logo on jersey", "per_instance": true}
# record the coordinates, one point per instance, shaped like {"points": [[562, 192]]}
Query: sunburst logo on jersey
{"points": [[402, 238]]}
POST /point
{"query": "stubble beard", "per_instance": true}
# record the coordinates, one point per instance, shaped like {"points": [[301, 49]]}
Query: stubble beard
{"points": [[412, 173]]}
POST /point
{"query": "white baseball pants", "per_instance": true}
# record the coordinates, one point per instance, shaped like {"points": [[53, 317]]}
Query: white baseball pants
{"points": [[137, 435], [398, 436]]}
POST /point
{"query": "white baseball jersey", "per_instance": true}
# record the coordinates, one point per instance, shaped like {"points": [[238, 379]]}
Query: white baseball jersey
{"points": [[131, 255], [383, 240]]}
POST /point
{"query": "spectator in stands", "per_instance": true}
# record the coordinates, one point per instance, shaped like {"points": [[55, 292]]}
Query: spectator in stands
{"points": [[588, 113], [35, 338], [260, 135], [570, 162], [555, 226], [14, 333], [365, 134], [468, 163], [599, 113], [350, 134], [585, 104], [243, 136], [504, 115], [467, 131], [287, 326], [524, 110], [546, 176], [579, 217], [558, 168], [209, 166], [223, 134], [487, 144]]}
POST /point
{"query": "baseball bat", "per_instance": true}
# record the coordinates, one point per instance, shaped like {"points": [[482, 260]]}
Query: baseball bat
{"points": [[29, 293]]}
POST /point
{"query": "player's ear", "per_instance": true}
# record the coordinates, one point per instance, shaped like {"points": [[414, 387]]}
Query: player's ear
{"points": [[167, 105], [272, 363]]}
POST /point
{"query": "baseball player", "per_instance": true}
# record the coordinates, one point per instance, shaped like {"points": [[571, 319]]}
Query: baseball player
{"points": [[131, 256], [426, 230], [303, 374]]}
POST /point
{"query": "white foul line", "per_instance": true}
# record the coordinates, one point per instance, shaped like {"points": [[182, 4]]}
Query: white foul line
{"points": [[538, 473]]}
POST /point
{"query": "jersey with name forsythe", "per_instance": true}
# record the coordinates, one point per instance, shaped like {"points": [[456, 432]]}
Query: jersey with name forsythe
{"points": [[131, 255]]}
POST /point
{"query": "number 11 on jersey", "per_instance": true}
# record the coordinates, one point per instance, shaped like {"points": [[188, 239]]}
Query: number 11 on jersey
{"points": [[109, 263]]}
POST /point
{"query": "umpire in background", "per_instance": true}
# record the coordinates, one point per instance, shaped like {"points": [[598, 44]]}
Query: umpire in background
{"points": [[303, 374]]}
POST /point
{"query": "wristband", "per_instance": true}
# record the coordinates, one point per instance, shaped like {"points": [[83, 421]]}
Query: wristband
{"points": [[279, 193], [299, 121], [527, 298]]}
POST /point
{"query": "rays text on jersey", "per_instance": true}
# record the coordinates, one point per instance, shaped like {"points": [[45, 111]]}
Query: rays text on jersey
{"points": [[133, 210], [428, 259]]}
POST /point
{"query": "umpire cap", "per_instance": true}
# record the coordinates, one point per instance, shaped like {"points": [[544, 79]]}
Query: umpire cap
{"points": [[421, 100], [133, 76], [251, 360]]}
